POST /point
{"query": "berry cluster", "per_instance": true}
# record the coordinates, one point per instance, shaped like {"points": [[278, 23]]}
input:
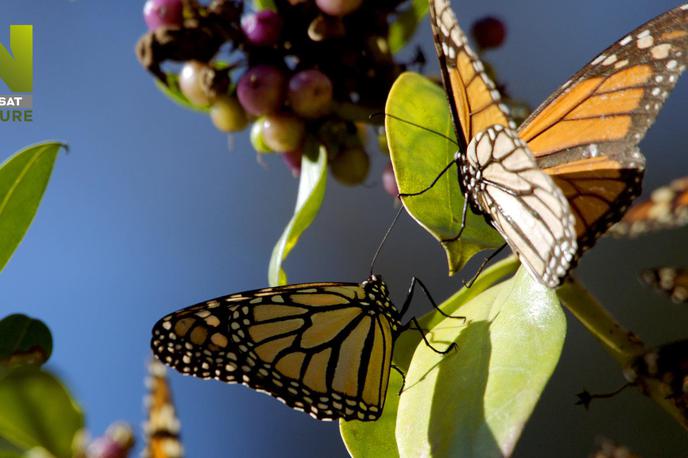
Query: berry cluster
{"points": [[302, 69]]}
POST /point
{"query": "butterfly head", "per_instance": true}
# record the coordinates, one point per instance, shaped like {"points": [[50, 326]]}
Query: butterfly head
{"points": [[376, 291]]}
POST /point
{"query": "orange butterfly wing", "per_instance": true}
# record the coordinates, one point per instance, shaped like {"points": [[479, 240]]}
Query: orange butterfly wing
{"points": [[474, 100], [672, 281], [585, 135], [162, 427], [667, 208]]}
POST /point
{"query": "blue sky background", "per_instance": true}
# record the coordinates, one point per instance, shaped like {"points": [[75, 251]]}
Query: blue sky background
{"points": [[150, 211]]}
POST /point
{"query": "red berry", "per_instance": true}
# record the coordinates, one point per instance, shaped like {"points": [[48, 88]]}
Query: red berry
{"points": [[283, 132], [350, 166], [293, 161], [162, 13], [310, 93], [389, 181], [261, 90], [191, 82], [489, 32], [338, 7], [262, 28]]}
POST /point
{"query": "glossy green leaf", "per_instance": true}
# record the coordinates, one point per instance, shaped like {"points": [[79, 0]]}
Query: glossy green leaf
{"points": [[419, 155], [24, 340], [36, 410], [308, 202], [23, 179], [377, 439], [406, 23], [476, 400], [172, 91]]}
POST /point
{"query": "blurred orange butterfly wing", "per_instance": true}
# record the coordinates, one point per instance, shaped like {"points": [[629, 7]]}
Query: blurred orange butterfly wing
{"points": [[666, 208], [672, 281], [162, 427], [476, 102]]}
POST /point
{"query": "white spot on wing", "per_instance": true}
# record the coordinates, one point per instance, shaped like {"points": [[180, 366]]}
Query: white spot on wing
{"points": [[610, 60], [598, 59], [646, 41], [661, 51]]}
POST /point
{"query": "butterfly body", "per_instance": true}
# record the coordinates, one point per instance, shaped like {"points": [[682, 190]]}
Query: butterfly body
{"points": [[501, 179], [322, 348], [584, 137]]}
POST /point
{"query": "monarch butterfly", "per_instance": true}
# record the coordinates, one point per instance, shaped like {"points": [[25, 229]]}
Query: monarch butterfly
{"points": [[321, 348], [665, 367], [673, 281], [584, 137], [667, 208], [162, 427]]}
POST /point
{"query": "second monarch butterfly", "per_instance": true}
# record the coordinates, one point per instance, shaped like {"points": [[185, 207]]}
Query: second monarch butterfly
{"points": [[583, 137], [667, 208], [673, 281], [321, 348], [162, 426]]}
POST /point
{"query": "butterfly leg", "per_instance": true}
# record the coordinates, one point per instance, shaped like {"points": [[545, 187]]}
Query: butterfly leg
{"points": [[482, 266], [464, 212], [434, 182], [403, 378], [417, 327], [409, 296]]}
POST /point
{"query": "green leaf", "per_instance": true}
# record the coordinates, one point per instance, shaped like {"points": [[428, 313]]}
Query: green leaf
{"points": [[308, 202], [23, 179], [36, 410], [376, 439], [476, 400], [8, 450], [260, 5], [24, 340], [401, 30], [419, 155], [174, 93]]}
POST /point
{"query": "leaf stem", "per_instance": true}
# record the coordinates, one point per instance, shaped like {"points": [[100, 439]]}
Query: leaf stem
{"points": [[621, 343]]}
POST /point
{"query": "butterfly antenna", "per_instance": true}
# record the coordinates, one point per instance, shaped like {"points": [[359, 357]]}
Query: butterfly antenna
{"points": [[381, 113], [379, 247]]}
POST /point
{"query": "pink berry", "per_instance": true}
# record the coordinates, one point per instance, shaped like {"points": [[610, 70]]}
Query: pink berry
{"points": [[489, 32], [338, 7], [262, 28], [310, 93], [106, 447], [293, 161], [389, 181], [162, 13], [191, 82], [261, 90], [283, 132]]}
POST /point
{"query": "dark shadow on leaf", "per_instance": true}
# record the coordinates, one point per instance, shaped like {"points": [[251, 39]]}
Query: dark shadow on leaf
{"points": [[458, 426]]}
